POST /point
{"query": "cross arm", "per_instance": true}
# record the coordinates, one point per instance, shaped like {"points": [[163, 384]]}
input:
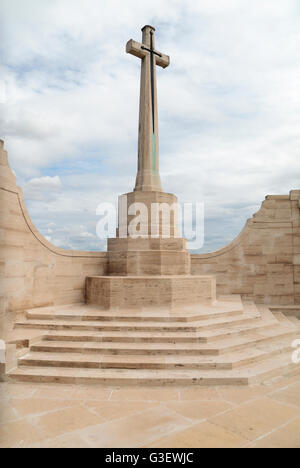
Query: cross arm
{"points": [[137, 49], [162, 60]]}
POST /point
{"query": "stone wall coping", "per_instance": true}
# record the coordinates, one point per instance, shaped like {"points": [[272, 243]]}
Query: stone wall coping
{"points": [[235, 243], [10, 186], [47, 244], [52, 248]]}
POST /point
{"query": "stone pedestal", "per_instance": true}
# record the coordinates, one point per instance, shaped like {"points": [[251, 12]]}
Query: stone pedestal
{"points": [[143, 263], [161, 214], [151, 253], [151, 291], [142, 257]]}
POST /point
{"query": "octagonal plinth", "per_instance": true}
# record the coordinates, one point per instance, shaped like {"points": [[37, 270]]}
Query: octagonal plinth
{"points": [[160, 222], [149, 262], [152, 291], [155, 248]]}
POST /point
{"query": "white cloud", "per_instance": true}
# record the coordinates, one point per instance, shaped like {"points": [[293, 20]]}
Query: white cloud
{"points": [[229, 105], [46, 182], [86, 235], [41, 188]]}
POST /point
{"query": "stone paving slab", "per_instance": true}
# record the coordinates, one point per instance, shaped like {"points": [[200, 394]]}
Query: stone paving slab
{"points": [[70, 416]]}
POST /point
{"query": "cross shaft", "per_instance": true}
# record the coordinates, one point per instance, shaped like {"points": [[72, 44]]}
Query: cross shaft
{"points": [[148, 178]]}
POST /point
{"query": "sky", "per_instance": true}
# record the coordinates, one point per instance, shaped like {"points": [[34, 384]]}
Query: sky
{"points": [[229, 107]]}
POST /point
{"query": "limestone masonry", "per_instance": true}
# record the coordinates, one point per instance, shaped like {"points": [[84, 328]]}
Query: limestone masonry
{"points": [[146, 310]]}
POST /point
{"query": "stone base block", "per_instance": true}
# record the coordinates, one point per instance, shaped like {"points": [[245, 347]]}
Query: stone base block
{"points": [[112, 292], [159, 210], [152, 262]]}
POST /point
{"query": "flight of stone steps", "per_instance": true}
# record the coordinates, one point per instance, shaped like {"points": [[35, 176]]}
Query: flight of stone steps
{"points": [[230, 342]]}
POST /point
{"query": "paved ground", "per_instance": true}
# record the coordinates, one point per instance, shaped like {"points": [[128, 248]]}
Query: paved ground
{"points": [[42, 415]]}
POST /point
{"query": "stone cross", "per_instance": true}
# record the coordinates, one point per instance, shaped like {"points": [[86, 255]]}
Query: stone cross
{"points": [[148, 178]]}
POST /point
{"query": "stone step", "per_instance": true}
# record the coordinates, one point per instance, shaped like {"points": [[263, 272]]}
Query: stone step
{"points": [[124, 377], [97, 345], [206, 330], [287, 315], [281, 317], [96, 361], [117, 337], [161, 335], [169, 337], [253, 373], [85, 314], [122, 337], [139, 326], [273, 367], [268, 322], [220, 344], [294, 320], [125, 349], [220, 334], [291, 310]]}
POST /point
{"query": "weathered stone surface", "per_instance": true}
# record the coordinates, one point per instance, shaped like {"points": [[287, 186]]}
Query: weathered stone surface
{"points": [[267, 255], [148, 178], [149, 200], [131, 292], [262, 264], [33, 272], [148, 255]]}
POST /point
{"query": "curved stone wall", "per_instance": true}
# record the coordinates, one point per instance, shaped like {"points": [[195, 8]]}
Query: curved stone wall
{"points": [[33, 272], [263, 262]]}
